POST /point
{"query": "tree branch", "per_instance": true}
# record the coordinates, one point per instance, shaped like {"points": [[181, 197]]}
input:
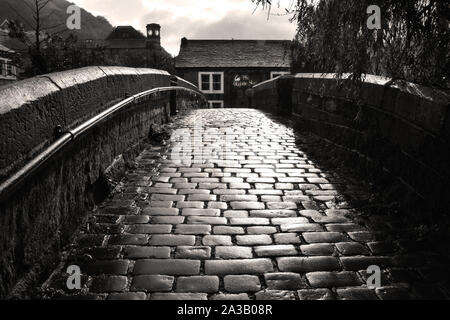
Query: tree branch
{"points": [[43, 4]]}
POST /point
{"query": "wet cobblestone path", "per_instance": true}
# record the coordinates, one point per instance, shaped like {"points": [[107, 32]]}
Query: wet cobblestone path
{"points": [[251, 217]]}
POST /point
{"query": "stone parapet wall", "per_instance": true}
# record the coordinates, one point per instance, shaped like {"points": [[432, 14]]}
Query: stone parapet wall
{"points": [[31, 109], [397, 131], [39, 219]]}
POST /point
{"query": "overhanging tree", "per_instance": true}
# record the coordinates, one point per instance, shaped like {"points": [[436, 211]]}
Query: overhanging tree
{"points": [[412, 44]]}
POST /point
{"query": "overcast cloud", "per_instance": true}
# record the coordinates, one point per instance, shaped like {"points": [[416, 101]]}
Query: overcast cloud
{"points": [[196, 19]]}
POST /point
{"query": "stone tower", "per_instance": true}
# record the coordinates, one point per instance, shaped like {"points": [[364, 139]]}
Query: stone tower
{"points": [[153, 35]]}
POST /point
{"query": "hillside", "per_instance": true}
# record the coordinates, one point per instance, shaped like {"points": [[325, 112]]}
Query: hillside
{"points": [[54, 14]]}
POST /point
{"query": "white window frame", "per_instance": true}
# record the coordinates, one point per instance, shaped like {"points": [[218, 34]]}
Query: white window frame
{"points": [[278, 73], [6, 63], [211, 89], [9, 69], [210, 103]]}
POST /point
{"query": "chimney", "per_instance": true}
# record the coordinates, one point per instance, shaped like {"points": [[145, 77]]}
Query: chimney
{"points": [[184, 42], [154, 35]]}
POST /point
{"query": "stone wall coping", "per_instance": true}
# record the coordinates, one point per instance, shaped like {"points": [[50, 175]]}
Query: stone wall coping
{"points": [[187, 83], [421, 91], [265, 83], [17, 94]]}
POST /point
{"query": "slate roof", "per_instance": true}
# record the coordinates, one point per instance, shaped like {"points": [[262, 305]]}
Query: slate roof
{"points": [[125, 37], [125, 32], [5, 49], [4, 24], [234, 53]]}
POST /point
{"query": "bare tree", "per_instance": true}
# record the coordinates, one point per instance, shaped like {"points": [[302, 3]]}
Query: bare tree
{"points": [[42, 32]]}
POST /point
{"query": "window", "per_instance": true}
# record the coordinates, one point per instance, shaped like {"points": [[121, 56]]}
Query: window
{"points": [[4, 67], [275, 74], [211, 82], [7, 69], [205, 83], [215, 104]]}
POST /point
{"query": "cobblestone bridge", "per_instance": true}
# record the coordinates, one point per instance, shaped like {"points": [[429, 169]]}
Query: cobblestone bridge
{"points": [[250, 217]]}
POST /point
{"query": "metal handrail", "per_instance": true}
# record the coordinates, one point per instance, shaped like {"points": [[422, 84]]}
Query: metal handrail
{"points": [[9, 186]]}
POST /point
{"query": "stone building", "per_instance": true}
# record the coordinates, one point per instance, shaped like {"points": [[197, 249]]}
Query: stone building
{"points": [[9, 48], [225, 69], [8, 71], [133, 49]]}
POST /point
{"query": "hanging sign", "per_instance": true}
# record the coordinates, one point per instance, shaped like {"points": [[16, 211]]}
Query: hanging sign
{"points": [[243, 80]]}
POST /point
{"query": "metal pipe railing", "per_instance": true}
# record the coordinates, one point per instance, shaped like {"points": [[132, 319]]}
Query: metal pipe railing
{"points": [[9, 186]]}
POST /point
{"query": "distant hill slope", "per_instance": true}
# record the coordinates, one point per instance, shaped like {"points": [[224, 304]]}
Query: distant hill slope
{"points": [[54, 14]]}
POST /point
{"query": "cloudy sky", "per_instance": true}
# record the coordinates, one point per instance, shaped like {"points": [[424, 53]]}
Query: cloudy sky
{"points": [[197, 19]]}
